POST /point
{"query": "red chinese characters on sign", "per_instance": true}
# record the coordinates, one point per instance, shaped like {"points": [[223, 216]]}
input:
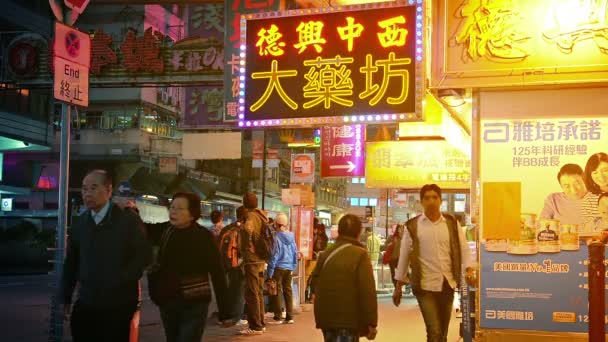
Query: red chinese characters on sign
{"points": [[343, 151], [102, 53], [142, 53]]}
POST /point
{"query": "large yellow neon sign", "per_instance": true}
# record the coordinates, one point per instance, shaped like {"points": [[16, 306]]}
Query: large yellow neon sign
{"points": [[274, 83], [370, 88], [328, 84]]}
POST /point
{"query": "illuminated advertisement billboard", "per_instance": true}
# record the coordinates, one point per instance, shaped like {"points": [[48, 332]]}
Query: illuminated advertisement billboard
{"points": [[503, 42], [544, 188], [411, 164], [332, 65]]}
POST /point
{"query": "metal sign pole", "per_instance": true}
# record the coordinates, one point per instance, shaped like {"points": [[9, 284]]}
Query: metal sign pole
{"points": [[56, 331]]}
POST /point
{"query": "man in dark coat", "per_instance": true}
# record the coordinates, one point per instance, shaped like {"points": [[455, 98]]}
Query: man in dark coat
{"points": [[106, 254]]}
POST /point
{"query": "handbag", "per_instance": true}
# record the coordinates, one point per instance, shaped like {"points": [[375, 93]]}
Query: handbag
{"points": [[195, 288]]}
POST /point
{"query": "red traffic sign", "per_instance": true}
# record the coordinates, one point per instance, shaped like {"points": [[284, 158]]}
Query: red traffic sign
{"points": [[77, 5], [72, 45]]}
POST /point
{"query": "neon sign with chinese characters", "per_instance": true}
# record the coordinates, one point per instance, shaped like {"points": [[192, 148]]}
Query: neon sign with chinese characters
{"points": [[358, 63]]}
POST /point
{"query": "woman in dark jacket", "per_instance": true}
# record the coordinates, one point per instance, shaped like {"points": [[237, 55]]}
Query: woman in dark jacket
{"points": [[179, 284]]}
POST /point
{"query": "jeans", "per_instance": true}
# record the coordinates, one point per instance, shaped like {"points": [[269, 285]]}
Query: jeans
{"points": [[340, 335], [236, 293], [436, 310], [283, 279], [254, 295], [184, 321], [86, 323]]}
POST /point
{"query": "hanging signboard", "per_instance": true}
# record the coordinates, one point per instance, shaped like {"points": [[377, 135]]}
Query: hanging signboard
{"points": [[498, 43], [72, 56], [552, 176], [303, 168], [343, 151], [332, 65], [158, 52], [411, 164]]}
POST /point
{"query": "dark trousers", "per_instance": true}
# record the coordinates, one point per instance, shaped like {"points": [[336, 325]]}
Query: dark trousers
{"points": [[340, 335], [436, 308], [254, 295], [236, 292], [283, 279], [90, 324], [184, 321]]}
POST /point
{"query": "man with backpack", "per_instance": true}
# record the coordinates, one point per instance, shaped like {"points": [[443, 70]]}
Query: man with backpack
{"points": [[283, 262], [231, 250], [257, 249]]}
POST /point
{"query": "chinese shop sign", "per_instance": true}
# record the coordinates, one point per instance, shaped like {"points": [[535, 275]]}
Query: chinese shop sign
{"points": [[233, 9], [204, 107], [503, 38], [343, 151], [303, 168], [146, 58], [354, 62], [72, 56], [411, 164]]}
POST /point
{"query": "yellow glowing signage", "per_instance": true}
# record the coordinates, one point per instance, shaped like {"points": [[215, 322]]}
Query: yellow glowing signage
{"points": [[310, 34], [332, 64], [411, 164], [510, 39], [350, 31]]}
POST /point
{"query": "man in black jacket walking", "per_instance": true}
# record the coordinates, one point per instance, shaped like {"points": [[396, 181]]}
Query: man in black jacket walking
{"points": [[106, 254]]}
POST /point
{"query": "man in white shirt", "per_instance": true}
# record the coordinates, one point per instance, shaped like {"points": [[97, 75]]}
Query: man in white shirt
{"points": [[435, 248]]}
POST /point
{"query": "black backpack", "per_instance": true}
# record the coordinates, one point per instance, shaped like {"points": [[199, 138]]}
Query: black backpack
{"points": [[264, 243]]}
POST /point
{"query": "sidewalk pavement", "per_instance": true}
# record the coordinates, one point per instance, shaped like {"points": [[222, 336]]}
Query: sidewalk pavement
{"points": [[395, 324]]}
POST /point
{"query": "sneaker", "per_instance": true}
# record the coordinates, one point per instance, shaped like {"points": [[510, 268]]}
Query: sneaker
{"points": [[290, 321], [251, 332], [275, 321], [242, 322]]}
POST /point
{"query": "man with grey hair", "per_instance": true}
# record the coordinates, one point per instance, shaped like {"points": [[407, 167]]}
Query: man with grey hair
{"points": [[106, 254]]}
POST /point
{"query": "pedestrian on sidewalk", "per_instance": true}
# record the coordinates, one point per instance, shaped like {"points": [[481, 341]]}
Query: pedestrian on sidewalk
{"points": [[257, 251], [107, 252], [231, 250], [344, 295], [435, 248], [373, 249], [283, 262], [179, 281]]}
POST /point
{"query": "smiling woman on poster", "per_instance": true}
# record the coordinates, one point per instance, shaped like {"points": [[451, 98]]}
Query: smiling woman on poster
{"points": [[596, 180]]}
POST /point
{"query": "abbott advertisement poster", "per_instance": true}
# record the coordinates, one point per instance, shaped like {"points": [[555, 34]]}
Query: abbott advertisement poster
{"points": [[544, 187]]}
